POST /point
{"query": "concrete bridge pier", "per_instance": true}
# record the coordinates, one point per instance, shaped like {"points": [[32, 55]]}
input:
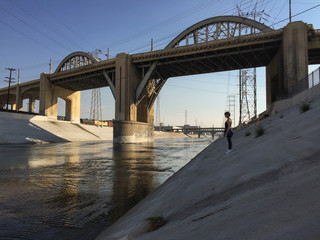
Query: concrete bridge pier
{"points": [[49, 94], [289, 66], [133, 122], [19, 100], [32, 105]]}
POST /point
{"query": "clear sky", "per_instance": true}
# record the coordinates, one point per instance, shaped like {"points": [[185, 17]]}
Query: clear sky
{"points": [[35, 31]]}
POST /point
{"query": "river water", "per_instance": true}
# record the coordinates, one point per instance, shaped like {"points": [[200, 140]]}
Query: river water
{"points": [[75, 190]]}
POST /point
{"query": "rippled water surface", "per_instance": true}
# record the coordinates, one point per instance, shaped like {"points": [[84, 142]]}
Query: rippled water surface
{"points": [[76, 190]]}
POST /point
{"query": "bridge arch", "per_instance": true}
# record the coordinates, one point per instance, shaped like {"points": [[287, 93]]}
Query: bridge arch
{"points": [[75, 60], [208, 30], [217, 28]]}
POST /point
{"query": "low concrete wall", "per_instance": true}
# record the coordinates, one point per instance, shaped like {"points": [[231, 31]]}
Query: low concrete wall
{"points": [[132, 132], [306, 96]]}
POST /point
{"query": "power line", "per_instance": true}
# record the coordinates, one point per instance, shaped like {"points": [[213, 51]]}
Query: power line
{"points": [[40, 43], [166, 22], [44, 24], [39, 4], [304, 11], [246, 3], [40, 32]]}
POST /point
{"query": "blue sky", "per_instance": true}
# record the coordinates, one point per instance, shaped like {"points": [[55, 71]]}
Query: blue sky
{"points": [[35, 31]]}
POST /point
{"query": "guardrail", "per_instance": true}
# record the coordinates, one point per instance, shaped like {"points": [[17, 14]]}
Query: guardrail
{"points": [[314, 77], [310, 81]]}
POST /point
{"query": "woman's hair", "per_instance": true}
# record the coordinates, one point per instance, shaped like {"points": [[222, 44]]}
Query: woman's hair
{"points": [[227, 114]]}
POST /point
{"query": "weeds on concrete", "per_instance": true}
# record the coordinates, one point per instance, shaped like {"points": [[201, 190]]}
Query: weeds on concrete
{"points": [[304, 106], [155, 223], [259, 131], [247, 134]]}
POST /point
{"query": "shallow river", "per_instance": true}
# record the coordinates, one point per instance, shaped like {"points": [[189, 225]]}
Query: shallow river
{"points": [[76, 190]]}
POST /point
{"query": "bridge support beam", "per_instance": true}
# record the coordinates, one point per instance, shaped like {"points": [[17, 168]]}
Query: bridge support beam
{"points": [[49, 100], [133, 123], [289, 66]]}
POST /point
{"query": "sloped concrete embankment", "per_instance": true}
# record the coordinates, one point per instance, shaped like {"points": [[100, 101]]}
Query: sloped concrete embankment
{"points": [[267, 188], [24, 128]]}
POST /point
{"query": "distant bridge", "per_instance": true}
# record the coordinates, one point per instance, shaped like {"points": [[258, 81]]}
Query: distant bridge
{"points": [[200, 131], [213, 45]]}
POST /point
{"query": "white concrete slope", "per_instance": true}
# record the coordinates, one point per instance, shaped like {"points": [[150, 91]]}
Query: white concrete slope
{"points": [[267, 188], [24, 128]]}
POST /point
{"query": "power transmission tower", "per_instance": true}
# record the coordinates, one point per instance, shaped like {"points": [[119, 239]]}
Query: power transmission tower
{"points": [[248, 95], [9, 81], [95, 109], [231, 106], [247, 77], [158, 113]]}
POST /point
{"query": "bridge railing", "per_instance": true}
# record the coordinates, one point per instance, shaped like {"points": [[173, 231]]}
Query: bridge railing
{"points": [[310, 81], [314, 77]]}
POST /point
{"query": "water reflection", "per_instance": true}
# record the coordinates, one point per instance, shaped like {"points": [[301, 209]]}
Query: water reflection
{"points": [[75, 190], [133, 179]]}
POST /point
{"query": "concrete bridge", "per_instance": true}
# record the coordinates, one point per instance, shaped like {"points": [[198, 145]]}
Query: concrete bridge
{"points": [[200, 131], [213, 45]]}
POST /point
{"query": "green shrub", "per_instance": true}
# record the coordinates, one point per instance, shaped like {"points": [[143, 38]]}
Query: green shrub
{"points": [[155, 223], [305, 106], [259, 131]]}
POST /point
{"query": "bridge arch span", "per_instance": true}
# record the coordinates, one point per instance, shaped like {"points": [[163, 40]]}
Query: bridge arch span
{"points": [[217, 28], [75, 60], [208, 30]]}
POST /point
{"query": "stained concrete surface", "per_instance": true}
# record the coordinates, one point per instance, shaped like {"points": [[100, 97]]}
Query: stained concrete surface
{"points": [[266, 188]]}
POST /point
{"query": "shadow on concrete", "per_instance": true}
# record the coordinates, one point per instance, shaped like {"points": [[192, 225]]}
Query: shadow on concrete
{"points": [[16, 128]]}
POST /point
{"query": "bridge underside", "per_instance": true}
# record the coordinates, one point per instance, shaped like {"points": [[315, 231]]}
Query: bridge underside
{"points": [[83, 78], [314, 56], [217, 60]]}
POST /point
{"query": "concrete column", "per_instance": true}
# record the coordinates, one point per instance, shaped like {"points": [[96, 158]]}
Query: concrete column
{"points": [[295, 54], [130, 125], [274, 79], [73, 106], [12, 102], [126, 84], [290, 64], [48, 98], [19, 100], [32, 105]]}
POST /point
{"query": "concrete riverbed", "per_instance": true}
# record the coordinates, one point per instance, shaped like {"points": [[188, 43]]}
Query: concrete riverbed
{"points": [[268, 187]]}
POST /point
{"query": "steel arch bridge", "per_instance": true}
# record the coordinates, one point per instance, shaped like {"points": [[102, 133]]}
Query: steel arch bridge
{"points": [[76, 60], [216, 29], [212, 45]]}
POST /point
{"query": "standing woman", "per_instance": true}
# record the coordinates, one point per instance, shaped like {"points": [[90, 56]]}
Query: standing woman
{"points": [[227, 131]]}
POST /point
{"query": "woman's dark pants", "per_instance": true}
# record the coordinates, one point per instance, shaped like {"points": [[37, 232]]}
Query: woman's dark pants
{"points": [[229, 142]]}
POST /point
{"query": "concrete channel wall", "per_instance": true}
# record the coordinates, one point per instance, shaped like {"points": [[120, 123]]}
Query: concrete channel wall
{"points": [[24, 128]]}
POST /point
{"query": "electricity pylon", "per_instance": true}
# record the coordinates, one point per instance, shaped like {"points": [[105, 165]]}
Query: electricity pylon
{"points": [[248, 95], [95, 109]]}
